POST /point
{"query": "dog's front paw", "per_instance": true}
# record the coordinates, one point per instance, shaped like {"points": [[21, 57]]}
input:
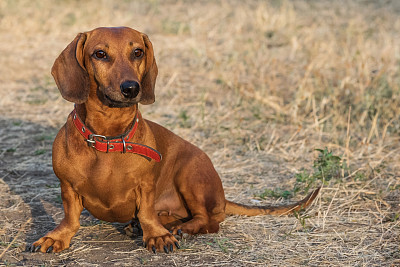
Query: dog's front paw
{"points": [[133, 229], [48, 245], [165, 243]]}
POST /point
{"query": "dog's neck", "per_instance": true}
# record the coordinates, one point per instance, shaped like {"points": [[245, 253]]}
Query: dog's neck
{"points": [[104, 120]]}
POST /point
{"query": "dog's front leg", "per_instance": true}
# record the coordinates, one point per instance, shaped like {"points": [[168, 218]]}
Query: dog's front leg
{"points": [[60, 238], [155, 236]]}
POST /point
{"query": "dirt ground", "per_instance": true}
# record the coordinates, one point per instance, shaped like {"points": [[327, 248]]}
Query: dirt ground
{"points": [[258, 85]]}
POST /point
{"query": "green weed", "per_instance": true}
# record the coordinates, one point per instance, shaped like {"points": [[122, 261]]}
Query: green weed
{"points": [[44, 137], [58, 199], [143, 261], [5, 244], [184, 119], [326, 167], [360, 176], [53, 185], [301, 217], [39, 152], [223, 244], [394, 187], [276, 193]]}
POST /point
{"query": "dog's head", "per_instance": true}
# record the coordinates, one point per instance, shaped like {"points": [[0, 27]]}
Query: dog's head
{"points": [[117, 65]]}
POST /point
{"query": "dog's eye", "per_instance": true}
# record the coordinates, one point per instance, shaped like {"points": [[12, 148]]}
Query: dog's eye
{"points": [[138, 53], [100, 54]]}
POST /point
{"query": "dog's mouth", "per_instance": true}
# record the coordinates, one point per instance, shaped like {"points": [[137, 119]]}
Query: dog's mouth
{"points": [[113, 99], [112, 103]]}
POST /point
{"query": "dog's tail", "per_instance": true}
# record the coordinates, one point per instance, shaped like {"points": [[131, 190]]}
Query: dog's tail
{"points": [[232, 208]]}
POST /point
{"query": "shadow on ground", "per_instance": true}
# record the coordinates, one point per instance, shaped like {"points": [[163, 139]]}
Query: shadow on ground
{"points": [[30, 195]]}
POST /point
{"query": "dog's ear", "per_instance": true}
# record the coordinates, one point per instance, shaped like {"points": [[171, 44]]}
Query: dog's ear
{"points": [[70, 73], [150, 75]]}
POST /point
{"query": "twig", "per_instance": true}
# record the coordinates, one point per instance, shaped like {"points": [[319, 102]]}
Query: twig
{"points": [[348, 141]]}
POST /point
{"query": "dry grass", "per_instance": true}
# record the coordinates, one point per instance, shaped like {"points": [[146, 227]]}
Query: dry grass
{"points": [[257, 85]]}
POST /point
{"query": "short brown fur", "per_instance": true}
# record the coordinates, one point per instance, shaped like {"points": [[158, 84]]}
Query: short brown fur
{"points": [[183, 192]]}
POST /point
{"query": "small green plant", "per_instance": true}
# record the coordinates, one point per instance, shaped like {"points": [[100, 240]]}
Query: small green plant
{"points": [[302, 218], [143, 261], [6, 244], [44, 137], [39, 152], [58, 199], [185, 122], [304, 180], [394, 187], [276, 193], [223, 244], [53, 185], [360, 176], [396, 216], [326, 167]]}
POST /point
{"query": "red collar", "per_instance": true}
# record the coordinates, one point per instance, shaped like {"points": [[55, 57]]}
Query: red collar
{"points": [[115, 144]]}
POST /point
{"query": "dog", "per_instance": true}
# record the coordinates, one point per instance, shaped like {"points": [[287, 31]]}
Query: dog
{"points": [[121, 167]]}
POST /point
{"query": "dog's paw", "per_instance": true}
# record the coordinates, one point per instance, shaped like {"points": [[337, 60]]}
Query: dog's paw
{"points": [[191, 227], [177, 231], [47, 245], [166, 243], [133, 229]]}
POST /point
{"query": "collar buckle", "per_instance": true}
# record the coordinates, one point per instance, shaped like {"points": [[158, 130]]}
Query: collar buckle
{"points": [[92, 141]]}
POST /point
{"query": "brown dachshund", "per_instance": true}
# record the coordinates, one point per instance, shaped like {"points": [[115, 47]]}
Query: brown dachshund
{"points": [[108, 159]]}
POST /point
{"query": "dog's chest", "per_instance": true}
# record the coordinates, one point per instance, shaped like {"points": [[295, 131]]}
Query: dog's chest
{"points": [[109, 185]]}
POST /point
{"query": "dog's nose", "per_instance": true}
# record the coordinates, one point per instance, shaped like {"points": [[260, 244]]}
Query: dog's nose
{"points": [[130, 89]]}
